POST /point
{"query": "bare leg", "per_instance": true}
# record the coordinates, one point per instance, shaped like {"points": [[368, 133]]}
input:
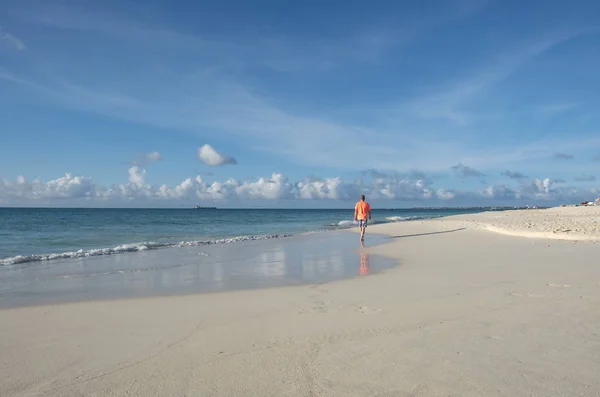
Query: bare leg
{"points": [[362, 233]]}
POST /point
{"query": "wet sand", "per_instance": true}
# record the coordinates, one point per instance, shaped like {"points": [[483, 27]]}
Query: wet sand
{"points": [[304, 259]]}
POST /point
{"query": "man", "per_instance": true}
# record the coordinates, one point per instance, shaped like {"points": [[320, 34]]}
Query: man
{"points": [[362, 209]]}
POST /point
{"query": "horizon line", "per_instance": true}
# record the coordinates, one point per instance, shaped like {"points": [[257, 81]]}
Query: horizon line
{"points": [[270, 208]]}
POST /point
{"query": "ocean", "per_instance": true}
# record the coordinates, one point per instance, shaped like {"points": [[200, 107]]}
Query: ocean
{"points": [[52, 256], [33, 235]]}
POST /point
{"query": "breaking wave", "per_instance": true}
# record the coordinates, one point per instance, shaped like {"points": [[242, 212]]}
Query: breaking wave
{"points": [[390, 219], [145, 246], [402, 218], [120, 249]]}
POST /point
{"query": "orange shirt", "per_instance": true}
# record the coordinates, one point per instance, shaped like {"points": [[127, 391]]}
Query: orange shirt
{"points": [[362, 209]]}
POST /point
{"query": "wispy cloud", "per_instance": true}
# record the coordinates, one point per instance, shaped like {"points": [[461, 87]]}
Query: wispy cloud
{"points": [[562, 156], [537, 151], [452, 102], [239, 112], [514, 174], [147, 158], [555, 108], [366, 44], [12, 39], [235, 110], [465, 171], [585, 178], [219, 97]]}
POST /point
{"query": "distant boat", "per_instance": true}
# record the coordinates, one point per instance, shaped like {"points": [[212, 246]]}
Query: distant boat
{"points": [[199, 207]]}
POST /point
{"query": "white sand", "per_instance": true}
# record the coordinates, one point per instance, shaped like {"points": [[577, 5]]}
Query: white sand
{"points": [[466, 313], [563, 223]]}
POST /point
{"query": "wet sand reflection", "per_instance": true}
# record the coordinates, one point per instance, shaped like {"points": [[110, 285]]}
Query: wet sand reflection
{"points": [[365, 268], [316, 258]]}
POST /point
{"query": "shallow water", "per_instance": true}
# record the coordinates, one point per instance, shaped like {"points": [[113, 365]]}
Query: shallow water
{"points": [[38, 235], [306, 259]]}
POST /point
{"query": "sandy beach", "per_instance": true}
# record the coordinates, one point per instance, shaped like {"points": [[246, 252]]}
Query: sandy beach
{"points": [[561, 223], [492, 304]]}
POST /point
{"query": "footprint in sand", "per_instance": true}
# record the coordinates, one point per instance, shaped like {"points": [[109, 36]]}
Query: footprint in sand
{"points": [[319, 288], [364, 309], [318, 304]]}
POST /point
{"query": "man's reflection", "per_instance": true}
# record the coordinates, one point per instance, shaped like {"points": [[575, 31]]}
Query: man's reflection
{"points": [[365, 268]]}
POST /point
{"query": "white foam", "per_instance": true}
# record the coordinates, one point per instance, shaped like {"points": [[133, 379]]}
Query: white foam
{"points": [[19, 259], [349, 223], [346, 223], [401, 218]]}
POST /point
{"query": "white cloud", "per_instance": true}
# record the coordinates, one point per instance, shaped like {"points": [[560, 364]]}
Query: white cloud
{"points": [[215, 102], [329, 188], [66, 187], [71, 189], [445, 194], [147, 158], [543, 186], [220, 98], [502, 192], [211, 157], [136, 176], [544, 190], [273, 188], [154, 156]]}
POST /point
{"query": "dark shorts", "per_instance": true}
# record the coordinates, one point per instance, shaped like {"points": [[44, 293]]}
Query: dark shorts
{"points": [[362, 223]]}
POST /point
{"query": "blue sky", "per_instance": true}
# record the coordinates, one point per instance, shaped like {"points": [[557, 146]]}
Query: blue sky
{"points": [[414, 103]]}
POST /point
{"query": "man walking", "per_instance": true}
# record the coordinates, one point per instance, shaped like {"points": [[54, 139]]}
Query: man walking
{"points": [[362, 209]]}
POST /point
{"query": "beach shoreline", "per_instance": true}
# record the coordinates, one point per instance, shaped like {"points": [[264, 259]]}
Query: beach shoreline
{"points": [[269, 263], [466, 312]]}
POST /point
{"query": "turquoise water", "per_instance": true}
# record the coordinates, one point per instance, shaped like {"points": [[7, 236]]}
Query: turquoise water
{"points": [[29, 235], [303, 259]]}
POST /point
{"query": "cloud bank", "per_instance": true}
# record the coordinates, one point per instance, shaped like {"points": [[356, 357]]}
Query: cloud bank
{"points": [[585, 178], [211, 157], [81, 190]]}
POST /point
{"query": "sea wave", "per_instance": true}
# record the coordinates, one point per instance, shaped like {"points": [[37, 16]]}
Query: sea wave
{"points": [[402, 218], [124, 248], [344, 224]]}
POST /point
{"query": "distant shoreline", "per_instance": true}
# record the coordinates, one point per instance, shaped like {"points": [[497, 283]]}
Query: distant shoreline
{"points": [[280, 209]]}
